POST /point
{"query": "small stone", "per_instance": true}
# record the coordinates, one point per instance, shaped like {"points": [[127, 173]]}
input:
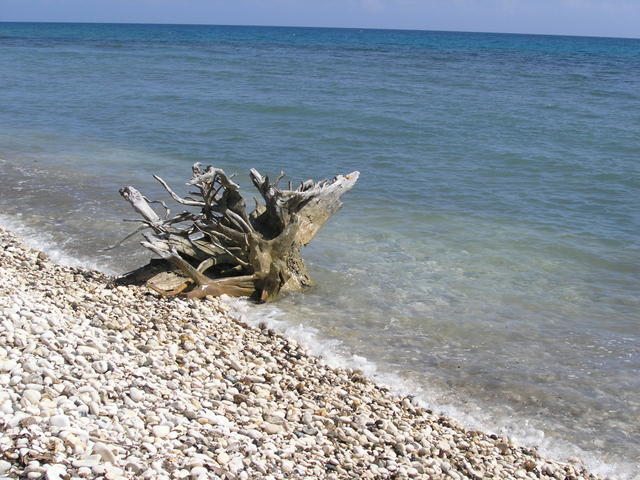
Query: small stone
{"points": [[100, 366], [253, 434], [31, 397], [223, 458], [55, 472], [136, 394], [443, 446], [233, 363], [309, 430], [214, 419], [271, 428], [197, 472], [60, 421], [413, 472], [7, 365], [275, 419], [78, 443], [84, 472], [236, 465], [98, 469], [287, 466], [105, 453], [94, 408], [161, 431], [27, 422], [112, 473], [503, 447], [4, 466]]}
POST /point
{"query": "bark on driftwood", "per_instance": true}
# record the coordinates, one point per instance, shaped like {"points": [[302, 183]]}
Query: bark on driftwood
{"points": [[223, 249]]}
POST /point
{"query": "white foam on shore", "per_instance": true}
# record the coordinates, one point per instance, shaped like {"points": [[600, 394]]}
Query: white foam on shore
{"points": [[473, 417], [46, 242]]}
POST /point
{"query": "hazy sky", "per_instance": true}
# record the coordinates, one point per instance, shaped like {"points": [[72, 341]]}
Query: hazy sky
{"points": [[571, 17]]}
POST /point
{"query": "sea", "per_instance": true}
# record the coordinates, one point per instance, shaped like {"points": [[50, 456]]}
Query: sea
{"points": [[487, 263]]}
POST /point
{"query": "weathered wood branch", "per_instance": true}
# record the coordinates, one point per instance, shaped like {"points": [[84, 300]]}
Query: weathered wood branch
{"points": [[226, 250]]}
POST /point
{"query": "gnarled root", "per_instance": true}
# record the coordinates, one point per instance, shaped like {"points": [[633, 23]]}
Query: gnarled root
{"points": [[243, 254]]}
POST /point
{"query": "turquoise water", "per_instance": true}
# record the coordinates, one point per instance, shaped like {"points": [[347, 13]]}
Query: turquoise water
{"points": [[489, 255]]}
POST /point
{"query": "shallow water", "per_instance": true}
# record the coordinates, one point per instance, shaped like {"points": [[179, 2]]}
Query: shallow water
{"points": [[488, 258]]}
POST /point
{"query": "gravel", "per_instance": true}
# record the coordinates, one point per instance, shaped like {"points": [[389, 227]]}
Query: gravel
{"points": [[107, 382]]}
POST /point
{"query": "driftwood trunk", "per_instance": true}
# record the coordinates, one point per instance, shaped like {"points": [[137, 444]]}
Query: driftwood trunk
{"points": [[223, 249]]}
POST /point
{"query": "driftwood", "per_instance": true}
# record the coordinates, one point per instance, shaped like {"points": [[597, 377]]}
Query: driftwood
{"points": [[222, 249]]}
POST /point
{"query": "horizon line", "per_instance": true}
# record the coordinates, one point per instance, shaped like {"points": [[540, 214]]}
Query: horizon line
{"points": [[322, 27]]}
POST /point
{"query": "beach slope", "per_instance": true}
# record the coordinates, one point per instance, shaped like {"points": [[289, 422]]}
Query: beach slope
{"points": [[111, 382]]}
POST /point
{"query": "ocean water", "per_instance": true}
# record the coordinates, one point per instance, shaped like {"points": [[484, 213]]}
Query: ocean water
{"points": [[488, 260]]}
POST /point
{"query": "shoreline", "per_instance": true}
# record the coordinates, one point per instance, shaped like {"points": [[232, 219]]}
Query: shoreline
{"points": [[114, 382]]}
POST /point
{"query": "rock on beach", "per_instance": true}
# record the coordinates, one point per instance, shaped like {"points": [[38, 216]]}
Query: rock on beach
{"points": [[104, 382]]}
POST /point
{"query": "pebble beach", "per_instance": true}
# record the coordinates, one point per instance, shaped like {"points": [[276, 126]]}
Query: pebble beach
{"points": [[113, 382]]}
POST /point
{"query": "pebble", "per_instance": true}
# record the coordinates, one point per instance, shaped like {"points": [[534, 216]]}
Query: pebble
{"points": [[136, 395], [235, 364], [7, 365], [161, 431], [94, 408], [112, 382], [105, 452], [287, 466], [271, 428], [100, 366], [235, 465], [197, 472], [31, 397], [60, 421], [55, 472]]}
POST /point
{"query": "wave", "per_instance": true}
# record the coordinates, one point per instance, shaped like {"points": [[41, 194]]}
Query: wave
{"points": [[43, 241]]}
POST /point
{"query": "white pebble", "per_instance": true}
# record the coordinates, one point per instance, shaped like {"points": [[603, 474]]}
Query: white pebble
{"points": [[235, 465], [4, 466], [223, 458], [55, 472], [270, 428], [233, 363], [161, 431], [287, 466], [60, 421], [100, 366], [196, 472], [94, 408], [7, 365], [31, 397], [136, 394], [105, 453]]}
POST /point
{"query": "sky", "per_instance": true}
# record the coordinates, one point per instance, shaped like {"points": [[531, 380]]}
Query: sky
{"points": [[613, 18]]}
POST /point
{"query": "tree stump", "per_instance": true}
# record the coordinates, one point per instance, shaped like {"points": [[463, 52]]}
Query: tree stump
{"points": [[222, 249]]}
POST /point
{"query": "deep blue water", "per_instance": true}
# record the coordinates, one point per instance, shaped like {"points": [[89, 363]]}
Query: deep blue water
{"points": [[489, 255]]}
